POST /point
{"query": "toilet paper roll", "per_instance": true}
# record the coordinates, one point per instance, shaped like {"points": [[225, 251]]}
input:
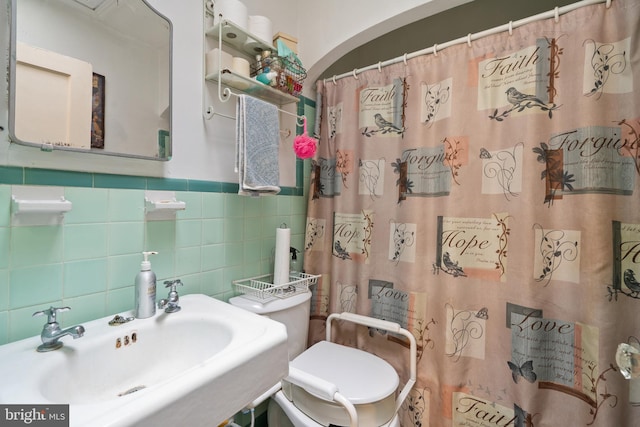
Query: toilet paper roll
{"points": [[240, 66], [261, 28], [281, 264], [232, 10], [211, 61]]}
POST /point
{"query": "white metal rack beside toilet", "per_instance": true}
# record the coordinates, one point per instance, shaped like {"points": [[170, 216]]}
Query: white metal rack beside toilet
{"points": [[360, 382]]}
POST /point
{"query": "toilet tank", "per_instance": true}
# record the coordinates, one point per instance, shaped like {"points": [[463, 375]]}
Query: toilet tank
{"points": [[292, 311]]}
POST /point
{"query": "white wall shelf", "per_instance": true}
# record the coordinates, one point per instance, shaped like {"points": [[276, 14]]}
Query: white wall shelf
{"points": [[249, 45], [252, 87], [242, 40]]}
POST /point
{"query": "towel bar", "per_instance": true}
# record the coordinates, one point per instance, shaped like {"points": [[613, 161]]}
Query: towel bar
{"points": [[210, 112]]}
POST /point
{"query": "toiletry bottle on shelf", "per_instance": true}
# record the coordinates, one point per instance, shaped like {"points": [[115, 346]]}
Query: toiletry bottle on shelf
{"points": [[294, 268], [145, 288]]}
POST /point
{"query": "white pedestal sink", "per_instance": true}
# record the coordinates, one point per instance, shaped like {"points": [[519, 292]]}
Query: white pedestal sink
{"points": [[196, 367]]}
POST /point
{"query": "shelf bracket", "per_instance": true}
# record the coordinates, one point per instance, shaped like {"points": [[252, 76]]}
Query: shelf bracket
{"points": [[223, 95]]}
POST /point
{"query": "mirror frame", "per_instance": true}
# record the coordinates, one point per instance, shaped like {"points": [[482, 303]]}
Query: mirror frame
{"points": [[12, 4]]}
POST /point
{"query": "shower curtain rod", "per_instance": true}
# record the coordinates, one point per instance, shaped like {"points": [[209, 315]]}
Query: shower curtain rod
{"points": [[555, 13]]}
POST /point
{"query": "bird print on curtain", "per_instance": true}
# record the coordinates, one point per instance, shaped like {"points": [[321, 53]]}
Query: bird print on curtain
{"points": [[487, 200]]}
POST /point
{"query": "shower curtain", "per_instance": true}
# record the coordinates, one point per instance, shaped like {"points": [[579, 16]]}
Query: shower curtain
{"points": [[485, 197]]}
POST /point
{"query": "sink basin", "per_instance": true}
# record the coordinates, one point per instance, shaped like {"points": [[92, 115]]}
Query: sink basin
{"points": [[196, 367], [96, 373]]}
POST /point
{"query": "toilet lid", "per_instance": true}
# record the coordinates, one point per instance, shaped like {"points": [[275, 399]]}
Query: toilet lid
{"points": [[270, 305], [360, 376]]}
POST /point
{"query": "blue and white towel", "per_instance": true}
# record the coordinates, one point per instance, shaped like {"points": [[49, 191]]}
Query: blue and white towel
{"points": [[258, 140]]}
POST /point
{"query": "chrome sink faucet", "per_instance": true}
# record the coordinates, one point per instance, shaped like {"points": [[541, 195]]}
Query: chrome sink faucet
{"points": [[170, 304], [51, 332]]}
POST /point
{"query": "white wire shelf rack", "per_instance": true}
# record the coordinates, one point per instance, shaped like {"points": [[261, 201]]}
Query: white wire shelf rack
{"points": [[262, 288]]}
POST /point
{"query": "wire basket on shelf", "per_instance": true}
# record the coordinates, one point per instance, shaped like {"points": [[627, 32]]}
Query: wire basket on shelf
{"points": [[290, 74], [262, 287]]}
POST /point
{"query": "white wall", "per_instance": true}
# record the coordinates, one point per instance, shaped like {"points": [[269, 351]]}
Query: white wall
{"points": [[204, 149], [329, 29]]}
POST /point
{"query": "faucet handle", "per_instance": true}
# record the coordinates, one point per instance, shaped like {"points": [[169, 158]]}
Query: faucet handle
{"points": [[172, 284], [170, 304], [51, 313]]}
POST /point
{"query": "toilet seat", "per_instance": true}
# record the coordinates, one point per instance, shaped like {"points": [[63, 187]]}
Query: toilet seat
{"points": [[367, 381]]}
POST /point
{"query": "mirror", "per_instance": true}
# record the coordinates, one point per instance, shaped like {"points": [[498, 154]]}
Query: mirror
{"points": [[91, 76]]}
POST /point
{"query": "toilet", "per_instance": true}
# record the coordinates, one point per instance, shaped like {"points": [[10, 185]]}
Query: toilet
{"points": [[324, 367]]}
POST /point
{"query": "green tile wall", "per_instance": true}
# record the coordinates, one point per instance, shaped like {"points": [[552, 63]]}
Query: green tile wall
{"points": [[89, 263]]}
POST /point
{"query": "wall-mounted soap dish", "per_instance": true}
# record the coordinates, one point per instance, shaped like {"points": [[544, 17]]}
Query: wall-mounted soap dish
{"points": [[38, 205], [162, 205], [54, 206]]}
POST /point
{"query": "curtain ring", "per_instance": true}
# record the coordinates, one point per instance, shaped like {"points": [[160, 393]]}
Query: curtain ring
{"points": [[405, 59], [510, 28], [469, 39], [379, 66], [608, 5], [334, 80], [556, 14], [355, 75], [435, 49]]}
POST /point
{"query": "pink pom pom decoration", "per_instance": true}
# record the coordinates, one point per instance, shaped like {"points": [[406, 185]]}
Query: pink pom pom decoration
{"points": [[304, 145]]}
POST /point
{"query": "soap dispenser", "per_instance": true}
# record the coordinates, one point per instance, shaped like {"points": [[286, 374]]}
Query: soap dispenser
{"points": [[145, 289], [294, 268]]}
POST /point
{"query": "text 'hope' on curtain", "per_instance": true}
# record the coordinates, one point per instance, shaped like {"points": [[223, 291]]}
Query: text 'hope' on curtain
{"points": [[487, 200]]}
